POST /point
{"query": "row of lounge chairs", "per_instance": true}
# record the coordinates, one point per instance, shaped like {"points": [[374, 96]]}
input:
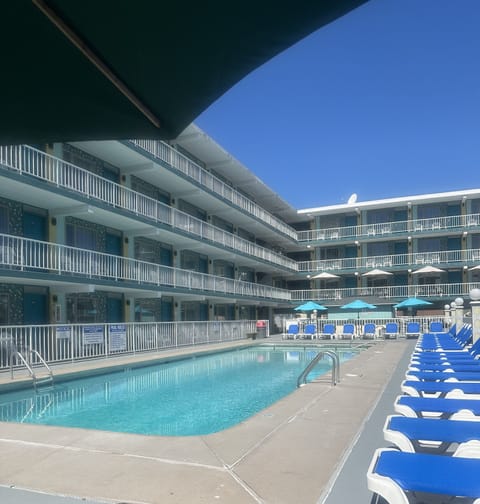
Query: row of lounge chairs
{"points": [[348, 331], [435, 433]]}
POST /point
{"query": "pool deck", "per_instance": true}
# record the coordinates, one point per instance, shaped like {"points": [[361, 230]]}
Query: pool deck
{"points": [[295, 451]]}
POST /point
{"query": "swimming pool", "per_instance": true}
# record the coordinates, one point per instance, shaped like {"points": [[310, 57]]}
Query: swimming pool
{"points": [[192, 396]]}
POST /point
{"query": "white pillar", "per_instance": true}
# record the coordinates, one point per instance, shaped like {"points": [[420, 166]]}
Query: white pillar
{"points": [[446, 316], [459, 314], [475, 305]]}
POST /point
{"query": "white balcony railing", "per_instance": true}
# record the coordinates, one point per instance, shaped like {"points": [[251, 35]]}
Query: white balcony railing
{"points": [[384, 229], [444, 258], [27, 160], [177, 160], [23, 254], [390, 294]]}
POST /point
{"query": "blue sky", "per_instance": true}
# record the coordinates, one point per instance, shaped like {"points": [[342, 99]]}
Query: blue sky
{"points": [[383, 102]]}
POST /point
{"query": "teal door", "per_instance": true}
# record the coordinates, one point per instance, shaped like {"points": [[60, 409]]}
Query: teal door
{"points": [[34, 226], [113, 244], [35, 308], [114, 310]]}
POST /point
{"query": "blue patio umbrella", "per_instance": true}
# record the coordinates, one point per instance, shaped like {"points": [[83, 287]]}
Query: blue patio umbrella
{"points": [[412, 302], [310, 306], [358, 305]]}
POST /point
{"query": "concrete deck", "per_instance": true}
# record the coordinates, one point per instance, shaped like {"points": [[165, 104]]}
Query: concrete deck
{"points": [[291, 452]]}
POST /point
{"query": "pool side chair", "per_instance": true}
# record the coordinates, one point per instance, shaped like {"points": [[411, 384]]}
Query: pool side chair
{"points": [[348, 331], [293, 331], [463, 355], [310, 331], [413, 330], [369, 331], [417, 435], [438, 408], [436, 327], [391, 330], [395, 475], [448, 389], [328, 331], [439, 376]]}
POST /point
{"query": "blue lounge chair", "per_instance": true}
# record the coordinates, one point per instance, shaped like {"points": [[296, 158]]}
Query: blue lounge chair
{"points": [[427, 434], [418, 388], [391, 330], [413, 330], [440, 376], [445, 366], [348, 331], [369, 331], [437, 407], [310, 331], [292, 331], [328, 331], [436, 327], [396, 475]]}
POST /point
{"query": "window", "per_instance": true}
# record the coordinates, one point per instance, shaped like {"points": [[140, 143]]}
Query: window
{"points": [[83, 309], [81, 235]]}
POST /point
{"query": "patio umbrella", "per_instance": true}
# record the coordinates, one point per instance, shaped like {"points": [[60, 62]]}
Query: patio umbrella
{"points": [[324, 275], [358, 305], [100, 70], [475, 268], [376, 272], [310, 306], [428, 269], [412, 302]]}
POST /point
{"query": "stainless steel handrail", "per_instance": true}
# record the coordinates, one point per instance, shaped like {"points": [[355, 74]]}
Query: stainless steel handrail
{"points": [[29, 367], [302, 379]]}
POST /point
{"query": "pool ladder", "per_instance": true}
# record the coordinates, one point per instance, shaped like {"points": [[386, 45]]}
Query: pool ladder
{"points": [[38, 380], [302, 379]]}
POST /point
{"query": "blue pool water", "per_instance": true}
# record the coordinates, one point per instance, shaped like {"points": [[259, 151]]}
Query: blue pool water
{"points": [[193, 396]]}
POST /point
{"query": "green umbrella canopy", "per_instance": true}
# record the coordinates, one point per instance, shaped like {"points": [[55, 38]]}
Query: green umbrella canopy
{"points": [[99, 70], [310, 306]]}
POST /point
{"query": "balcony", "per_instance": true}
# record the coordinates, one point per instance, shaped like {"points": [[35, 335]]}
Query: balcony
{"points": [[29, 161], [64, 263], [390, 229], [163, 152], [448, 258], [385, 294]]}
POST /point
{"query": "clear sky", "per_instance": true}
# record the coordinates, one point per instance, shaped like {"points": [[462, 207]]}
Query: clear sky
{"points": [[383, 102]]}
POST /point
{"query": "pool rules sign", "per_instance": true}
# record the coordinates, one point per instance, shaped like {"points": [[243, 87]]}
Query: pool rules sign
{"points": [[117, 337]]}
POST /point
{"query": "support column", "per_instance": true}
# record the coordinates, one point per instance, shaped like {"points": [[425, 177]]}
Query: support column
{"points": [[475, 305]]}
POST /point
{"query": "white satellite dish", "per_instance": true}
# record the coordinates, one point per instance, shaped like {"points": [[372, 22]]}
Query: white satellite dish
{"points": [[352, 199]]}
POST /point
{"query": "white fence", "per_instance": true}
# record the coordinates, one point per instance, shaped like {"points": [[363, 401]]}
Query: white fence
{"points": [[73, 342]]}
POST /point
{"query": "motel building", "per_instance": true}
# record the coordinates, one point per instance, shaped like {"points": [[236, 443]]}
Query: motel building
{"points": [[117, 246]]}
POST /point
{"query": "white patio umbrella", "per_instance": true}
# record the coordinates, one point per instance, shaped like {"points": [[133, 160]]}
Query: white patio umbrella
{"points": [[475, 268], [428, 269], [376, 272], [325, 275]]}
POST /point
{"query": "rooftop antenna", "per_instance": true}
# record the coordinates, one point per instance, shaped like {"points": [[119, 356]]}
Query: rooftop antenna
{"points": [[352, 199]]}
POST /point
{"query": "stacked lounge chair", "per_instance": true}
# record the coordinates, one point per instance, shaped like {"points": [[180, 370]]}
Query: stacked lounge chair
{"points": [[436, 430]]}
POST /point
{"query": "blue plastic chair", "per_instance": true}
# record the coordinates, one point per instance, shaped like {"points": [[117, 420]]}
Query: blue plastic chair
{"points": [[410, 434], [348, 331], [310, 331], [436, 327], [413, 330], [369, 331], [328, 331], [394, 475], [391, 330], [292, 331]]}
